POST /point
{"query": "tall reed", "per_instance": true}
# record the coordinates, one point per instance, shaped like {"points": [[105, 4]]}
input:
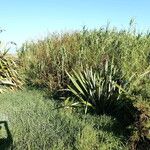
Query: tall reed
{"points": [[44, 62]]}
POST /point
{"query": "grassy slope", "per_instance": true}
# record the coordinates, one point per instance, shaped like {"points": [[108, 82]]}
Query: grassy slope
{"points": [[35, 125]]}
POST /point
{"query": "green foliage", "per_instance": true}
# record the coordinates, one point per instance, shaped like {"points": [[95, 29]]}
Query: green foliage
{"points": [[35, 124], [96, 89], [104, 88], [80, 50], [101, 92], [140, 137]]}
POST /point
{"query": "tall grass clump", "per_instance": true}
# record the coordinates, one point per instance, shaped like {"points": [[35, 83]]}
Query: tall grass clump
{"points": [[44, 62]]}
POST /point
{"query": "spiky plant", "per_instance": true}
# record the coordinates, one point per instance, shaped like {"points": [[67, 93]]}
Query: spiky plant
{"points": [[96, 89], [9, 77]]}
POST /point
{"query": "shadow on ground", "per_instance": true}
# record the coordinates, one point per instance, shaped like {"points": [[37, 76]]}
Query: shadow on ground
{"points": [[7, 142]]}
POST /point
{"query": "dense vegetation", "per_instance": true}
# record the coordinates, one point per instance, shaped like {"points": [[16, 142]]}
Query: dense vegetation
{"points": [[96, 78], [45, 62], [36, 125]]}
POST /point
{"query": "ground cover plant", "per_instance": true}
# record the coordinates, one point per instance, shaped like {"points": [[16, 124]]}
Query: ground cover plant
{"points": [[34, 124]]}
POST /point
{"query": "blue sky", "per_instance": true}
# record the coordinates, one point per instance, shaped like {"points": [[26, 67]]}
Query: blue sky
{"points": [[31, 19]]}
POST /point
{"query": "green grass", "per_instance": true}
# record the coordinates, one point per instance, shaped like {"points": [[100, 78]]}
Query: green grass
{"points": [[35, 125]]}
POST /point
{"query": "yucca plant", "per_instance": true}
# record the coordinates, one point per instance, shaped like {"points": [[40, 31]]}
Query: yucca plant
{"points": [[96, 89]]}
